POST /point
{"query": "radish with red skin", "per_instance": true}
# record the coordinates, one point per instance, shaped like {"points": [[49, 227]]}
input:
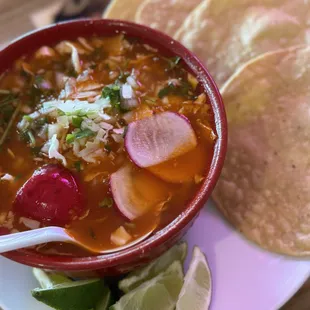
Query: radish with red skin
{"points": [[51, 196], [136, 191], [159, 138]]}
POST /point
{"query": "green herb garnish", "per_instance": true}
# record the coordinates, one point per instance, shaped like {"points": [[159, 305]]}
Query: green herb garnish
{"points": [[27, 118], [108, 148], [36, 150], [113, 93], [77, 121], [184, 89], [35, 94], [78, 166], [169, 89], [8, 98], [70, 138], [107, 202], [17, 177], [84, 134], [71, 72], [173, 62], [10, 124], [32, 140], [125, 131], [38, 123], [150, 100], [38, 79]]}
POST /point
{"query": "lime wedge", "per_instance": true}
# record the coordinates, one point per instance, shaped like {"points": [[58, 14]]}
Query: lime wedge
{"points": [[75, 295], [48, 280], [161, 292], [137, 277], [106, 301], [197, 288]]}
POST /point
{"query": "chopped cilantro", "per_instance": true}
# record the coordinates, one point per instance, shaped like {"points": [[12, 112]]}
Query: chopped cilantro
{"points": [[35, 95], [27, 118], [184, 89], [113, 93], [166, 91], [40, 122], [107, 202], [77, 121], [97, 53], [71, 72], [150, 100], [7, 99], [36, 150], [60, 112], [173, 62], [38, 79], [125, 131], [84, 134], [108, 148], [70, 138], [78, 166], [32, 140], [17, 177], [28, 137]]}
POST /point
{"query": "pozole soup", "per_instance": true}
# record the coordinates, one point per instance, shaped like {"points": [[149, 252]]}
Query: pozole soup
{"points": [[104, 136]]}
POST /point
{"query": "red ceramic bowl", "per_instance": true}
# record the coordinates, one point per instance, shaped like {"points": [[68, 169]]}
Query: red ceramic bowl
{"points": [[152, 247]]}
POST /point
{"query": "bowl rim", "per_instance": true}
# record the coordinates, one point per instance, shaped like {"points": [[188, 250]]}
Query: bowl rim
{"points": [[163, 41]]}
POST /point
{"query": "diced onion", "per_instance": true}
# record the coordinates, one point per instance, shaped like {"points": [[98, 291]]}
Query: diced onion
{"points": [[32, 224], [132, 82], [120, 236], [126, 91], [119, 131], [89, 124], [54, 129], [7, 177]]}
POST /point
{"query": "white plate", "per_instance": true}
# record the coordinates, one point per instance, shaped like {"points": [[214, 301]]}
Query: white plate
{"points": [[244, 276]]}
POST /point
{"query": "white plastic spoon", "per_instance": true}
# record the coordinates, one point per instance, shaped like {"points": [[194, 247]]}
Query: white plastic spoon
{"points": [[52, 234]]}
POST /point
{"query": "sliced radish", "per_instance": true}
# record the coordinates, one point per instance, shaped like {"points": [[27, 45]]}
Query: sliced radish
{"points": [[136, 191], [159, 138], [51, 196]]}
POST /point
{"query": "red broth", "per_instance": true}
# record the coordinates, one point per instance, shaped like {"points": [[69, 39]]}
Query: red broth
{"points": [[45, 119]]}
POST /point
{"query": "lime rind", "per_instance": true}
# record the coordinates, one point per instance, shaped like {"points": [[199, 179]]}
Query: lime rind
{"points": [[137, 277], [106, 301], [197, 289], [75, 295], [161, 292]]}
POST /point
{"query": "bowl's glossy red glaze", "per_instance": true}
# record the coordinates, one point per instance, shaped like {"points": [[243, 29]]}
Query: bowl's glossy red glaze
{"points": [[151, 248]]}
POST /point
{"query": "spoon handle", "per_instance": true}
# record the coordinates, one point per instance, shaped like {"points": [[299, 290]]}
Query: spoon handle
{"points": [[32, 237]]}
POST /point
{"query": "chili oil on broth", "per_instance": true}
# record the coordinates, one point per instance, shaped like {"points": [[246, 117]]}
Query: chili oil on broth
{"points": [[53, 74]]}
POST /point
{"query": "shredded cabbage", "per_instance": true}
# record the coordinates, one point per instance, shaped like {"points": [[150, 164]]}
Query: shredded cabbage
{"points": [[75, 58], [53, 150], [77, 107]]}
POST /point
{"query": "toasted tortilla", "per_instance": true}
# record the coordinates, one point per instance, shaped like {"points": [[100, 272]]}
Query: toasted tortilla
{"points": [[121, 9], [227, 33], [264, 188], [165, 15]]}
